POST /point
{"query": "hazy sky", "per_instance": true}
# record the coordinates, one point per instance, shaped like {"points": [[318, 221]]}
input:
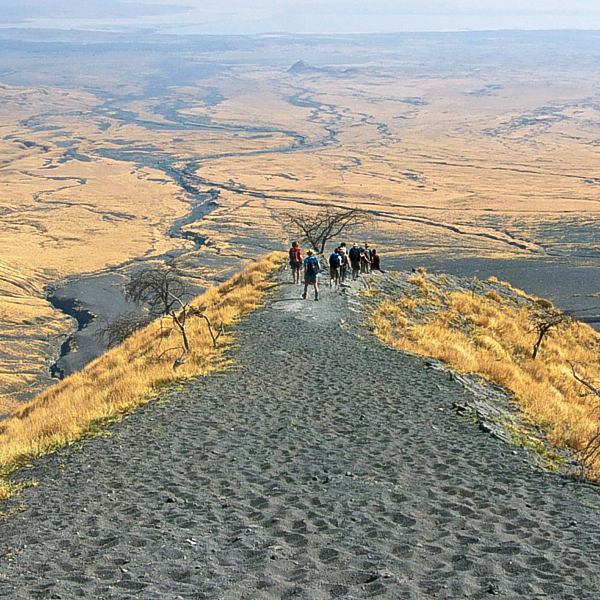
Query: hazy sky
{"points": [[301, 16]]}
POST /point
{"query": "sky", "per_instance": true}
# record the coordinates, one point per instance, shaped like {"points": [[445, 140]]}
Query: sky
{"points": [[300, 16]]}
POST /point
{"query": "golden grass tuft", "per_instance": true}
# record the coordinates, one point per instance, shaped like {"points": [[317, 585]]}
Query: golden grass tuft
{"points": [[419, 281], [492, 337], [127, 376]]}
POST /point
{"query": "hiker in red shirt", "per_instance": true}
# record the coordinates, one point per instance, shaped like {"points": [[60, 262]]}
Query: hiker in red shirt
{"points": [[295, 261], [375, 266]]}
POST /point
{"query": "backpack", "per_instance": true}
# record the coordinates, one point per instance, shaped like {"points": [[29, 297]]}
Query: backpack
{"points": [[295, 255], [335, 260], [312, 266], [354, 254]]}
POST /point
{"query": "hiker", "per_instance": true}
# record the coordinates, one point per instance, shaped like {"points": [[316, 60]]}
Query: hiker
{"points": [[375, 261], [335, 263], [354, 256], [343, 252], [295, 261], [365, 258], [311, 273]]}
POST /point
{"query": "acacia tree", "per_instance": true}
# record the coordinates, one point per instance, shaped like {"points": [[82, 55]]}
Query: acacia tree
{"points": [[327, 224]]}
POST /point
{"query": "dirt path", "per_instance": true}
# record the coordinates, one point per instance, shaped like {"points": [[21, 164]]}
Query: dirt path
{"points": [[324, 466]]}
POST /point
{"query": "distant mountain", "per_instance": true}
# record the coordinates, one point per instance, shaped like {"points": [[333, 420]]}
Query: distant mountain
{"points": [[301, 67]]}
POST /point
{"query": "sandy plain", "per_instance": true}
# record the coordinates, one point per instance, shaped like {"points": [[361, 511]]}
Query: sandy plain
{"points": [[476, 153]]}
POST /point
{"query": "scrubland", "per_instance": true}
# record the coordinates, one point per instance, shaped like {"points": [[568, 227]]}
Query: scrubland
{"points": [[492, 335], [128, 375]]}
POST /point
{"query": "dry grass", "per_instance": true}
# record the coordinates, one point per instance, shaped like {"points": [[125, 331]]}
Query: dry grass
{"points": [[493, 337], [419, 281], [509, 286], [126, 376], [492, 295]]}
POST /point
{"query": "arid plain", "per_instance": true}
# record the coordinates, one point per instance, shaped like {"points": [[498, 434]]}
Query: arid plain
{"points": [[476, 153]]}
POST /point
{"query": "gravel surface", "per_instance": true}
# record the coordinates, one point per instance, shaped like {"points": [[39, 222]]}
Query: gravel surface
{"points": [[324, 465]]}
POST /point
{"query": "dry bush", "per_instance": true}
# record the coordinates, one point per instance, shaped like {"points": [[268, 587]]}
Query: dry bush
{"points": [[126, 376], [590, 453], [543, 303], [116, 330], [492, 295], [477, 334]]}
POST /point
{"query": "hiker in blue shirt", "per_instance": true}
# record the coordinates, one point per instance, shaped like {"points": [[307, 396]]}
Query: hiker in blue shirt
{"points": [[335, 262], [311, 273]]}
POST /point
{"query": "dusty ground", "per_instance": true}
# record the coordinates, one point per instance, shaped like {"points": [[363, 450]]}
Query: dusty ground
{"points": [[323, 465], [466, 148]]}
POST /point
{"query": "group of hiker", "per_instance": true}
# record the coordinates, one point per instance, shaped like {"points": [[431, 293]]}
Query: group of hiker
{"points": [[342, 261]]}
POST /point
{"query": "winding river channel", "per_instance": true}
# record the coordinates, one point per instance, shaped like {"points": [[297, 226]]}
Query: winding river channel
{"points": [[97, 296]]}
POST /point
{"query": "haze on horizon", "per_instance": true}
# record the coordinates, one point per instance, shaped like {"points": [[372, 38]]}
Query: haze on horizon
{"points": [[299, 16]]}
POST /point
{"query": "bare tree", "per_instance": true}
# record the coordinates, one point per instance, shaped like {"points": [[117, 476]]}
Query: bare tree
{"points": [[116, 330], [163, 293], [160, 289], [545, 320], [328, 223], [180, 318]]}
